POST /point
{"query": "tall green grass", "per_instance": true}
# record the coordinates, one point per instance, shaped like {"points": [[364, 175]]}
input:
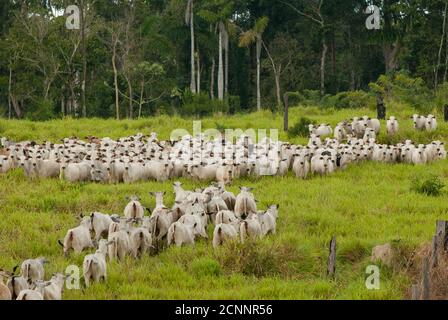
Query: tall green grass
{"points": [[366, 205]]}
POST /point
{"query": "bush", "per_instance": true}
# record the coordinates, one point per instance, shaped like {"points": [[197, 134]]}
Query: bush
{"points": [[260, 260], [351, 100], [201, 105], [431, 186], [300, 128], [42, 112], [234, 104], [402, 88]]}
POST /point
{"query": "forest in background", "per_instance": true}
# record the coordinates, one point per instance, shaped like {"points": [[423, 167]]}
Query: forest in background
{"points": [[135, 58]]}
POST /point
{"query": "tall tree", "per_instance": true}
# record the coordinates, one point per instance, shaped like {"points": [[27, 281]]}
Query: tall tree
{"points": [[247, 38], [189, 20], [313, 12]]}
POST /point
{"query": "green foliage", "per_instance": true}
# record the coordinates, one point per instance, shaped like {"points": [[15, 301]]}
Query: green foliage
{"points": [[402, 88], [441, 97], [43, 111], [300, 128], [350, 100], [429, 185], [204, 267], [201, 104]]}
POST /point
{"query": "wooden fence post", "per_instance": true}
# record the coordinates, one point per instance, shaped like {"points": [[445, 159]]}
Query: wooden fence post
{"points": [[442, 235], [425, 279], [415, 292], [434, 251], [286, 112], [331, 268]]}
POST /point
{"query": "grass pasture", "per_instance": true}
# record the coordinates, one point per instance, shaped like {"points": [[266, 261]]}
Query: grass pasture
{"points": [[366, 205]]}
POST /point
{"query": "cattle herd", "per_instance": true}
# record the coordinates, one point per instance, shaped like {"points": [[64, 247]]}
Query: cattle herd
{"points": [[141, 158], [134, 234]]}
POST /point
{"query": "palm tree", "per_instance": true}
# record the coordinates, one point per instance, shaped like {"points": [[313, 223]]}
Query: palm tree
{"points": [[223, 42], [217, 14], [189, 21], [247, 39]]}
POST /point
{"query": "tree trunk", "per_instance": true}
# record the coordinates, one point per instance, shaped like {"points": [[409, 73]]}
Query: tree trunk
{"points": [[198, 73], [131, 101], [84, 61], [9, 90], [226, 64], [16, 106], [258, 73], [278, 89], [193, 78], [140, 104], [390, 52], [220, 69], [322, 68], [63, 105], [439, 56], [212, 79], [117, 102], [446, 59]]}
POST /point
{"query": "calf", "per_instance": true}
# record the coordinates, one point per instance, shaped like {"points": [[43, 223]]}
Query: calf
{"points": [[301, 166], [419, 122], [53, 290], [224, 233], [33, 269], [195, 221], [392, 126], [268, 220], [100, 224], [140, 241], [78, 238], [250, 228], [134, 209], [245, 203], [119, 243], [94, 265], [180, 234], [16, 284], [431, 123]]}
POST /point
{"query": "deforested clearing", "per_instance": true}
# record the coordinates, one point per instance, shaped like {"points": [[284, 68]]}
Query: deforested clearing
{"points": [[366, 205]]}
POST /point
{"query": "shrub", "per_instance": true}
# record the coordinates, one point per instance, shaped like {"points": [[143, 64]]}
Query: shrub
{"points": [[300, 128], [402, 88], [311, 97], [234, 104], [259, 260], [431, 186], [352, 100], [201, 104], [43, 111]]}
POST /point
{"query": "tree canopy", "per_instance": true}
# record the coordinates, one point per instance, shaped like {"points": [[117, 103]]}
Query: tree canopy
{"points": [[133, 58]]}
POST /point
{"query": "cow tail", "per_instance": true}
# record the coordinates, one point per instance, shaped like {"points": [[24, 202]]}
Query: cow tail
{"points": [[174, 234], [155, 227], [134, 210], [244, 230], [13, 286], [220, 235]]}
